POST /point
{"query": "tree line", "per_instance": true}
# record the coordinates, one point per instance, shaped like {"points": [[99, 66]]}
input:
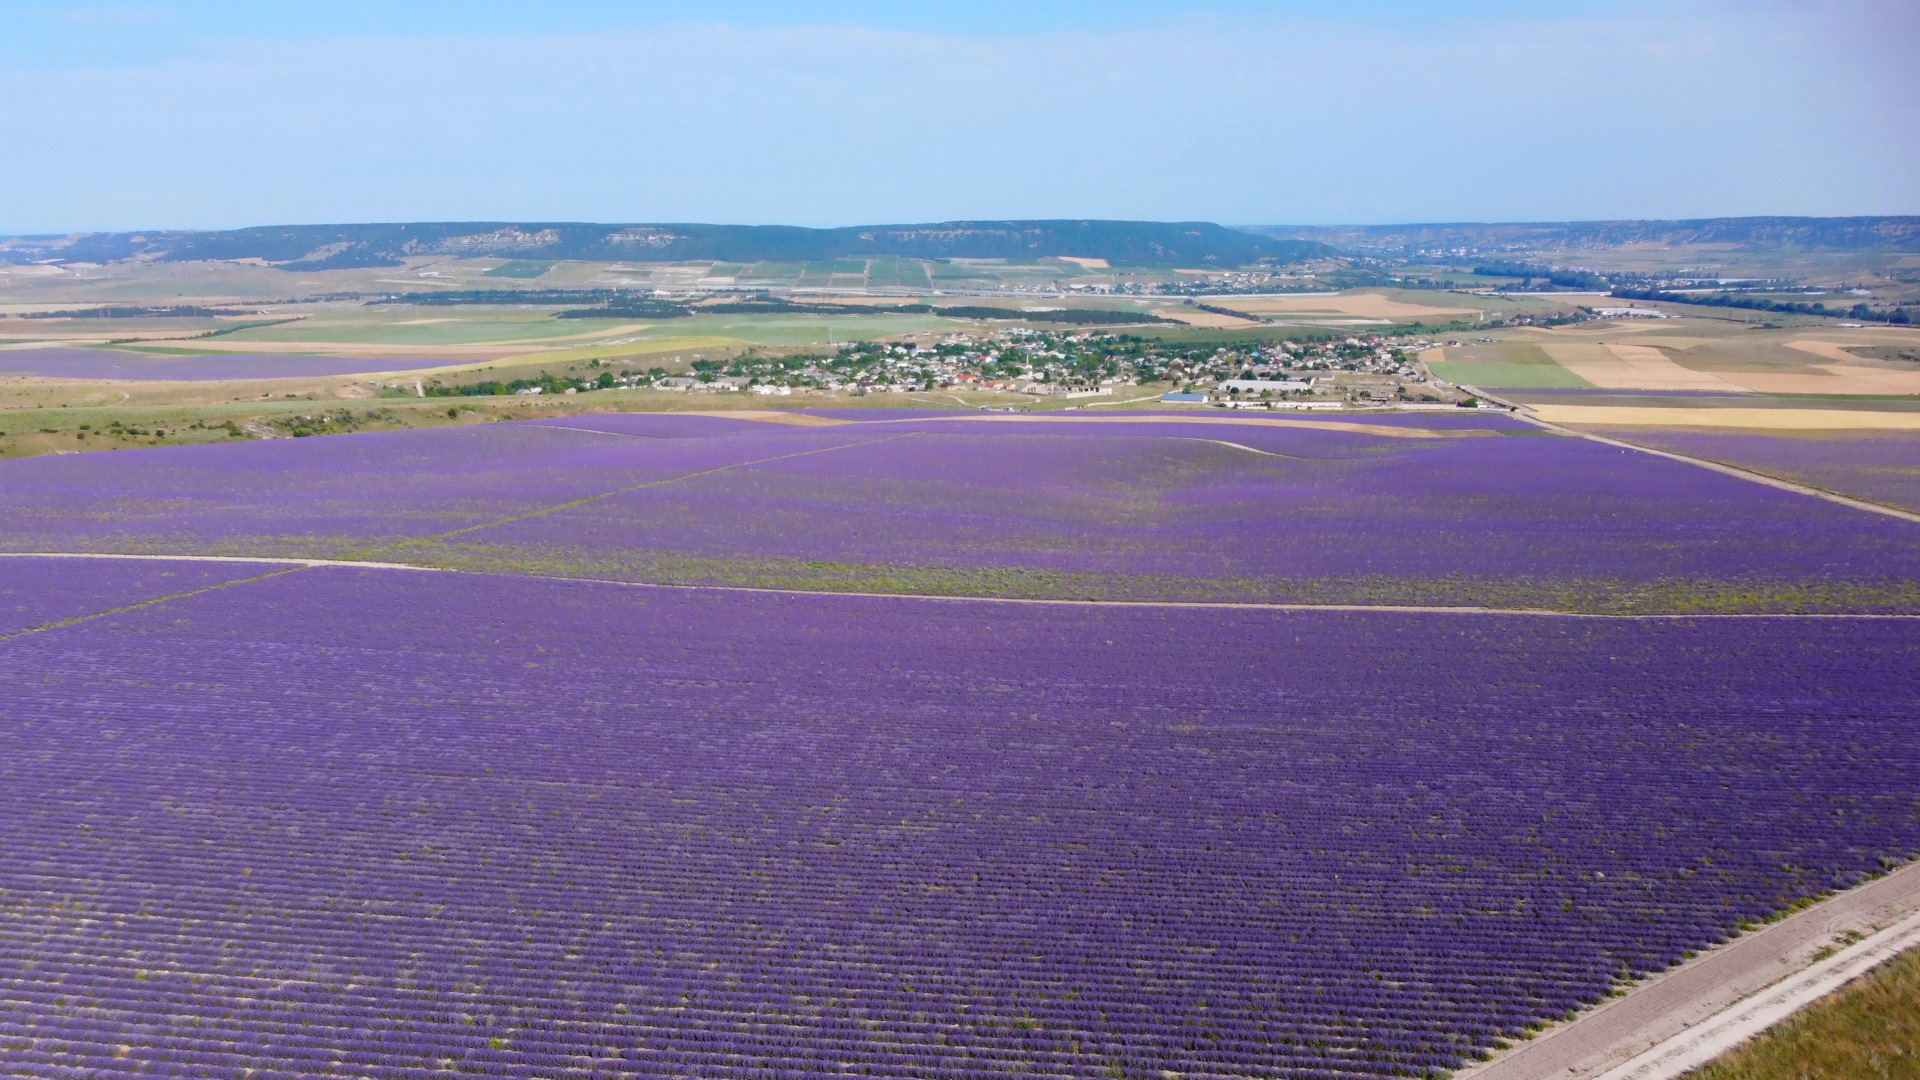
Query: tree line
{"points": [[1899, 316]]}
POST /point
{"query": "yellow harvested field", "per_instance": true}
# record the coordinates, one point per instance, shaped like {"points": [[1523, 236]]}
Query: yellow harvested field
{"points": [[1605, 329], [1749, 419], [1085, 264], [1826, 350], [1832, 379], [1358, 305], [1675, 341], [1633, 367]]}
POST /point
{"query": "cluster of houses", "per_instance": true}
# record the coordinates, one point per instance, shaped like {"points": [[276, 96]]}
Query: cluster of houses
{"points": [[1075, 364]]}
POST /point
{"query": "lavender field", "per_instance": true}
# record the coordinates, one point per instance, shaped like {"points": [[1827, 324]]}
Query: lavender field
{"points": [[37, 593], [1483, 512], [1882, 468], [389, 823]]}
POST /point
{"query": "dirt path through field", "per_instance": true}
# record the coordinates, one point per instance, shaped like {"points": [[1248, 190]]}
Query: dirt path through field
{"points": [[1609, 1041], [150, 602], [1544, 417], [940, 598], [570, 504], [1706, 1041]]}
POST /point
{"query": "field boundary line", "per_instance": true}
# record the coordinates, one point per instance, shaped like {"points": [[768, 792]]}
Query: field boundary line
{"points": [[1733, 1026], [585, 499], [1386, 431], [293, 562], [1715, 993], [1235, 445], [123, 608], [302, 562], [1849, 501], [594, 431]]}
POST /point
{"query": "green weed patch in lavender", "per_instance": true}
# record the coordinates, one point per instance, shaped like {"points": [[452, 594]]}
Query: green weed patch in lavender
{"points": [[1600, 597]]}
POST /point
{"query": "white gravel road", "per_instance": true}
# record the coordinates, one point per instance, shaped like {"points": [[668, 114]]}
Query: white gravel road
{"points": [[1709, 1004]]}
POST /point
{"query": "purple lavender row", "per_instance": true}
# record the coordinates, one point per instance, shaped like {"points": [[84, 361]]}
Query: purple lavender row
{"points": [[337, 496], [1151, 501], [1490, 419], [374, 823], [1334, 505], [1881, 467], [36, 592]]}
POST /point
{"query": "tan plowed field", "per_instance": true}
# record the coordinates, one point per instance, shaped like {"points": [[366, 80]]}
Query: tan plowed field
{"points": [[1749, 419], [1832, 379], [1633, 367], [1826, 350], [1356, 305]]}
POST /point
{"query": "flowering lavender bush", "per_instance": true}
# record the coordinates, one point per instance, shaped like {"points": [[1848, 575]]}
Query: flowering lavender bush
{"points": [[39, 592], [1882, 467], [1131, 510], [387, 823], [341, 495]]}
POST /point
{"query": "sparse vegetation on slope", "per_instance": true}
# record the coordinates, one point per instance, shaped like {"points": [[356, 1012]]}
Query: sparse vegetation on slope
{"points": [[1870, 1028]]}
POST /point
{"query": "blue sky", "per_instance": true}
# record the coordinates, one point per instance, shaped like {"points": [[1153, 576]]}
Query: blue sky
{"points": [[155, 114]]}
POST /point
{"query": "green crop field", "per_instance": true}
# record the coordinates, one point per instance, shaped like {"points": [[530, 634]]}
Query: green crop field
{"points": [[519, 268], [1518, 376], [774, 273], [1509, 364], [1870, 1028], [453, 331], [800, 329]]}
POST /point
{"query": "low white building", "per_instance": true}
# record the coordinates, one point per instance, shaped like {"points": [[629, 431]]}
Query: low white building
{"points": [[1259, 386]]}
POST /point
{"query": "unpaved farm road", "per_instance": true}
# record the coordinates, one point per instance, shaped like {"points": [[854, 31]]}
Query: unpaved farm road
{"points": [[1678, 1019], [1527, 415]]}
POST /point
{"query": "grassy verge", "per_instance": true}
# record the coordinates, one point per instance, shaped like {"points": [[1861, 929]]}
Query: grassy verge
{"points": [[1585, 596], [91, 425], [1571, 595], [1869, 1028]]}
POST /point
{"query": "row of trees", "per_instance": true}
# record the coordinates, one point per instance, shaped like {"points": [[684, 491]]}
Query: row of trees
{"points": [[1529, 272], [1898, 316]]}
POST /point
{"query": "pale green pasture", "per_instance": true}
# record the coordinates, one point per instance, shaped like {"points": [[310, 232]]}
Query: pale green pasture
{"points": [[1516, 376], [458, 330], [797, 329]]}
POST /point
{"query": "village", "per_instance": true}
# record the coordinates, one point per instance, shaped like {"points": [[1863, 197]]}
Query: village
{"points": [[1049, 365]]}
